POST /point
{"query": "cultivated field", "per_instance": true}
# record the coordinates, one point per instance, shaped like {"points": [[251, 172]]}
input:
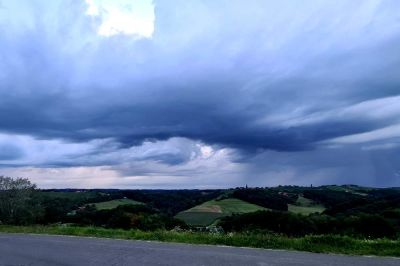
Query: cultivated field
{"points": [[111, 204], [210, 211]]}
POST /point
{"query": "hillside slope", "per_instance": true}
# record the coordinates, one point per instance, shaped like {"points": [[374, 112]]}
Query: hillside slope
{"points": [[208, 212]]}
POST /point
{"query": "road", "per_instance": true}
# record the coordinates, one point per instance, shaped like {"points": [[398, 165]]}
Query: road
{"points": [[44, 250]]}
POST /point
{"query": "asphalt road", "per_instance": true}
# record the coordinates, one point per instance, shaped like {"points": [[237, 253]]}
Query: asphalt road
{"points": [[43, 250]]}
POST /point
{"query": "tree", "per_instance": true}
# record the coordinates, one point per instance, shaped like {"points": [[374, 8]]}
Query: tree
{"points": [[16, 201]]}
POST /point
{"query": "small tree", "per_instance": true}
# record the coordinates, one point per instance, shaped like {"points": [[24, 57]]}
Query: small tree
{"points": [[16, 201]]}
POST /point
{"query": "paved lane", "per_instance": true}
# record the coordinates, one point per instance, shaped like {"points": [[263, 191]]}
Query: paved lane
{"points": [[21, 250]]}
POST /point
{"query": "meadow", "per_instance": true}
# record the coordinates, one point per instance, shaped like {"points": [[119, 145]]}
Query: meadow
{"points": [[305, 206], [111, 204]]}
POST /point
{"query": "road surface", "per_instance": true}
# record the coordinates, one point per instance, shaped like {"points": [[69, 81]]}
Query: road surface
{"points": [[44, 250]]}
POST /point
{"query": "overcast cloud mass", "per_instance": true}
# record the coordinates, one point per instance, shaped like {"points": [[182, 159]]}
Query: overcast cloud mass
{"points": [[200, 94]]}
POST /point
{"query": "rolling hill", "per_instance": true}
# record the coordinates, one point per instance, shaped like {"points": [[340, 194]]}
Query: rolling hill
{"points": [[209, 211]]}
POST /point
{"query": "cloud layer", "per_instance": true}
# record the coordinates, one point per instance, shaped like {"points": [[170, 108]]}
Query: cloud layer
{"points": [[287, 93]]}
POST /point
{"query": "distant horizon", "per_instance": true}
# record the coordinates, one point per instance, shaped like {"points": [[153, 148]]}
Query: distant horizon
{"points": [[226, 188]]}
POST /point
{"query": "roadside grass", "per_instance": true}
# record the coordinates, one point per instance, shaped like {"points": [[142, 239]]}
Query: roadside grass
{"points": [[319, 244], [209, 211], [111, 204]]}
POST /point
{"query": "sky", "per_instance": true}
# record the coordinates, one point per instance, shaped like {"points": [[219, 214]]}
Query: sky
{"points": [[200, 94]]}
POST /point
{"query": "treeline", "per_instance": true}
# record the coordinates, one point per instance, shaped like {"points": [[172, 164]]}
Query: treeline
{"points": [[22, 204], [331, 198], [170, 202], [57, 205], [159, 209], [290, 224], [267, 198], [370, 214], [126, 217]]}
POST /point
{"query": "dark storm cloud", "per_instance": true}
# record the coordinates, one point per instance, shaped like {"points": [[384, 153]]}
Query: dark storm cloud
{"points": [[10, 152], [251, 76], [197, 83]]}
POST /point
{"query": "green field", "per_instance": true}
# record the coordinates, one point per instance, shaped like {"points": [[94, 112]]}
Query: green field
{"points": [[305, 206], [111, 204], [208, 212]]}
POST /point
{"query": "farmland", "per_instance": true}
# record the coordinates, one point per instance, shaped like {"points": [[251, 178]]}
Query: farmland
{"points": [[208, 212], [305, 206], [111, 204]]}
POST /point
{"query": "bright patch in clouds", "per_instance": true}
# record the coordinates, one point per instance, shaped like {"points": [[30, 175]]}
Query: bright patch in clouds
{"points": [[131, 17]]}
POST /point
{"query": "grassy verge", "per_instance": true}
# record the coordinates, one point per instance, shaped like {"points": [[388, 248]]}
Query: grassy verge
{"points": [[325, 244]]}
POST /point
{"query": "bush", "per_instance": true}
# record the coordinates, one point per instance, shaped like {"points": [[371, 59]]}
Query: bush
{"points": [[17, 204]]}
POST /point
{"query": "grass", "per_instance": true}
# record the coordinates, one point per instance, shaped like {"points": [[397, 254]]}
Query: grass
{"points": [[208, 212], [305, 206], [302, 201], [320, 244], [111, 204]]}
